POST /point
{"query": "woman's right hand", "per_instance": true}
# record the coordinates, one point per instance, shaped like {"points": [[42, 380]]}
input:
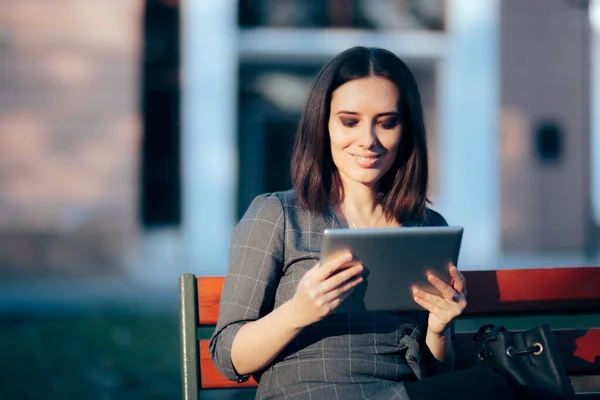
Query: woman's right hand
{"points": [[322, 289]]}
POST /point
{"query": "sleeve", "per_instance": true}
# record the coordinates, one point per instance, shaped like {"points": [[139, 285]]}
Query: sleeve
{"points": [[255, 264], [435, 219]]}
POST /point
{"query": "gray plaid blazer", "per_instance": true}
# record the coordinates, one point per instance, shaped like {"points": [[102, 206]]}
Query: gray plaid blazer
{"points": [[344, 356]]}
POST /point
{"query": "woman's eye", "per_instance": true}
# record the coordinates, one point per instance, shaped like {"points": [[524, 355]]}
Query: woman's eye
{"points": [[389, 124], [349, 122]]}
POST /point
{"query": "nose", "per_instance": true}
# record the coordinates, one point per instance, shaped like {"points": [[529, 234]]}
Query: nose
{"points": [[368, 136]]}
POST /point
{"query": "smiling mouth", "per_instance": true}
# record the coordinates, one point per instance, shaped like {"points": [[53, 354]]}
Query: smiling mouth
{"points": [[366, 161], [366, 158]]}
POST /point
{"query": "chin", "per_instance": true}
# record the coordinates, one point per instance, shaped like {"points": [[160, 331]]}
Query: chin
{"points": [[366, 177]]}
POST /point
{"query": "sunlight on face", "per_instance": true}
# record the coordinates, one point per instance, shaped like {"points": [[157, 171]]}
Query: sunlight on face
{"points": [[364, 128]]}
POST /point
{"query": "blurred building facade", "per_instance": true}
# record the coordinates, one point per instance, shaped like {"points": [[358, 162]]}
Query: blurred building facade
{"points": [[98, 175], [278, 47], [69, 135], [544, 133], [506, 91]]}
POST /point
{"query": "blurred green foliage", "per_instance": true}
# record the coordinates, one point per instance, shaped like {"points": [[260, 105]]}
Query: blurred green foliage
{"points": [[104, 355]]}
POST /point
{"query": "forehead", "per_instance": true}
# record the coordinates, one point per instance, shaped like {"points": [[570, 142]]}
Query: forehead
{"points": [[365, 95]]}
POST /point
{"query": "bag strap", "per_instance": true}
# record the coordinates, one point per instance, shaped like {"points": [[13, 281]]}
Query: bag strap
{"points": [[489, 332]]}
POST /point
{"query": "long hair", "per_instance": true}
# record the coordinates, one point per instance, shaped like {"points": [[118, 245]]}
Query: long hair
{"points": [[402, 191]]}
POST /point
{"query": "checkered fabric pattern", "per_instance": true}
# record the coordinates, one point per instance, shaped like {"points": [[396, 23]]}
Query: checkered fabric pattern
{"points": [[344, 356]]}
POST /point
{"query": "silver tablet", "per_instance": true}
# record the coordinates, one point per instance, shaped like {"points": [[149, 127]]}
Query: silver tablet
{"points": [[394, 259]]}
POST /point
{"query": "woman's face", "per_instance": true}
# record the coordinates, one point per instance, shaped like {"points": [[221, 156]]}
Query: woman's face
{"points": [[364, 128]]}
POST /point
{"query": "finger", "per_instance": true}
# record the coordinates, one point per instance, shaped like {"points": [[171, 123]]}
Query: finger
{"points": [[310, 274], [443, 305], [443, 287], [458, 280], [342, 291], [431, 298], [338, 279], [332, 266], [312, 271], [425, 304], [337, 300]]}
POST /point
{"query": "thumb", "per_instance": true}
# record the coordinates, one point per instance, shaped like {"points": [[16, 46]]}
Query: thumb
{"points": [[313, 270]]}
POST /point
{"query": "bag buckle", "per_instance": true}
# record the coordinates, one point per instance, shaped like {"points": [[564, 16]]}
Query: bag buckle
{"points": [[536, 350]]}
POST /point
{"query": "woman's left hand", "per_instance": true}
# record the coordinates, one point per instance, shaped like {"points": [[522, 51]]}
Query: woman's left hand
{"points": [[443, 309]]}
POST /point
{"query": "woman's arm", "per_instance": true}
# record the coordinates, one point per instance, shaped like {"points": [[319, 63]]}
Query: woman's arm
{"points": [[440, 356], [249, 332], [442, 351], [257, 343], [255, 265], [319, 292], [442, 311]]}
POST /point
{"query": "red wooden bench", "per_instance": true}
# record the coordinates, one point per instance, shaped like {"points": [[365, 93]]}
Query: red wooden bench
{"points": [[566, 298]]}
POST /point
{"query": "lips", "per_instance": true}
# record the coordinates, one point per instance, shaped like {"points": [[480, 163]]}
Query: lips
{"points": [[366, 160]]}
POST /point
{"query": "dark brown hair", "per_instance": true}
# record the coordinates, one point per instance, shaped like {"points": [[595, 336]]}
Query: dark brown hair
{"points": [[403, 189]]}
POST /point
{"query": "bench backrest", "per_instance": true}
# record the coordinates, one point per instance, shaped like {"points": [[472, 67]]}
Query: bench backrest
{"points": [[541, 291]]}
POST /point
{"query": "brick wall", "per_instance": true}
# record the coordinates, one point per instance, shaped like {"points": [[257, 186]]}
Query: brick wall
{"points": [[69, 134]]}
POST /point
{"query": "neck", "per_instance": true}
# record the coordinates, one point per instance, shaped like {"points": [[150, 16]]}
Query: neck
{"points": [[360, 205]]}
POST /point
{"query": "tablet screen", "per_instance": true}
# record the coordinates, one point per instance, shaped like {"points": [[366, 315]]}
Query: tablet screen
{"points": [[395, 259]]}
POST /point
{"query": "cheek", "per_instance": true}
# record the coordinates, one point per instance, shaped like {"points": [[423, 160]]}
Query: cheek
{"points": [[337, 138], [391, 141]]}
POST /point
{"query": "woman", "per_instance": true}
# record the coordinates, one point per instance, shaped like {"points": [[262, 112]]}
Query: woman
{"points": [[360, 161]]}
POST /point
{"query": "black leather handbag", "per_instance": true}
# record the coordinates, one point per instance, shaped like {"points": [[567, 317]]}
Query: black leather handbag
{"points": [[529, 360]]}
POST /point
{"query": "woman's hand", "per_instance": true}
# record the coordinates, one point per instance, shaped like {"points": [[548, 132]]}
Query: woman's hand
{"points": [[443, 309], [324, 287]]}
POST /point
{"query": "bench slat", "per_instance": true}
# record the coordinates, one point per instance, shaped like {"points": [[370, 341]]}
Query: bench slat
{"points": [[209, 297], [540, 290], [549, 284], [579, 350], [211, 378]]}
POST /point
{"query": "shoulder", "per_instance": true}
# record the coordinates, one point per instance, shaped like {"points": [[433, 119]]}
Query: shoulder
{"points": [[262, 218], [266, 206], [287, 198], [434, 218], [272, 204]]}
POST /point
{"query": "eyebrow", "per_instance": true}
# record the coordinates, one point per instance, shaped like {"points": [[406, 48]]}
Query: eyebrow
{"points": [[384, 114]]}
